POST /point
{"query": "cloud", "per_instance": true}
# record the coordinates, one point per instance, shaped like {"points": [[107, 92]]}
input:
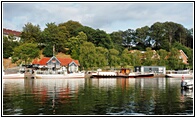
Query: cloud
{"points": [[108, 16]]}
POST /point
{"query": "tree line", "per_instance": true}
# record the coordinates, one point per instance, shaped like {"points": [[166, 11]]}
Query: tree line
{"points": [[96, 48]]}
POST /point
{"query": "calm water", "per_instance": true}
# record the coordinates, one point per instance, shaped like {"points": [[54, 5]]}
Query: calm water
{"points": [[149, 96]]}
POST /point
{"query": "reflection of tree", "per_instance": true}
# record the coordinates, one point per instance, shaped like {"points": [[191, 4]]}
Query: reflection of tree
{"points": [[95, 100]]}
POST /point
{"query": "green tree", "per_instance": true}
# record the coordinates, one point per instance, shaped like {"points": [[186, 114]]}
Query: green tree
{"points": [[188, 51], [125, 58], [142, 38], [170, 29], [117, 39], [181, 35], [31, 34], [114, 59], [189, 38], [156, 34], [128, 37], [101, 56], [150, 57], [162, 57], [174, 62], [8, 45], [25, 53], [48, 51], [87, 55], [71, 27], [102, 39], [89, 33], [136, 57], [74, 43], [54, 36]]}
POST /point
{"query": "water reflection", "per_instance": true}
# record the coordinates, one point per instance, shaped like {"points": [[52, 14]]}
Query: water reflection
{"points": [[107, 96]]}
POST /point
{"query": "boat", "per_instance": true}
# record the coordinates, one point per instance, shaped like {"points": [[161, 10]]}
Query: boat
{"points": [[124, 73], [13, 76], [59, 76], [17, 75], [179, 74], [50, 74], [187, 84]]}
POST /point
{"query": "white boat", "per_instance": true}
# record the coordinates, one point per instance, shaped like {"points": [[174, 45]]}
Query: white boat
{"points": [[29, 73], [59, 76], [179, 74], [187, 84], [13, 76]]}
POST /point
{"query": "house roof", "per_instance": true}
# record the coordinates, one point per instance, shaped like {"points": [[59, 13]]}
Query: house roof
{"points": [[35, 61], [63, 61], [11, 32], [44, 60], [183, 53]]}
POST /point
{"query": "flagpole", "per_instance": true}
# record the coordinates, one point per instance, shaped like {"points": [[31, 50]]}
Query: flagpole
{"points": [[53, 50]]}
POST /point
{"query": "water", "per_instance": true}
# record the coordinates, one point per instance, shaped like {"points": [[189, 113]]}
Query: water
{"points": [[107, 96]]}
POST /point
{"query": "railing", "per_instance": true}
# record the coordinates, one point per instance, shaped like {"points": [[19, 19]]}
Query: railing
{"points": [[49, 72]]}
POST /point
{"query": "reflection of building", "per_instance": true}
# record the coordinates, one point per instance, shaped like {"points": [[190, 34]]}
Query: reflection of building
{"points": [[55, 63], [150, 69]]}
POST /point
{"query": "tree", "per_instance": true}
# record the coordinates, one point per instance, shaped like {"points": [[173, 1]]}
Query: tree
{"points": [[101, 57], [136, 57], [125, 58], [8, 45], [181, 34], [114, 59], [74, 43], [87, 55], [31, 33], [128, 37], [117, 40], [156, 34], [170, 29], [102, 39], [71, 27], [48, 51], [188, 51], [54, 36], [89, 33], [174, 62], [25, 53], [162, 57], [150, 57], [189, 38]]}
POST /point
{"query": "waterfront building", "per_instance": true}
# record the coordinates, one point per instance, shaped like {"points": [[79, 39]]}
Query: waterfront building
{"points": [[15, 34], [150, 69], [55, 63]]}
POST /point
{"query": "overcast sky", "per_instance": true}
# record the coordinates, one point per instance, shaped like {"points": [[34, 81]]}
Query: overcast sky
{"points": [[105, 16]]}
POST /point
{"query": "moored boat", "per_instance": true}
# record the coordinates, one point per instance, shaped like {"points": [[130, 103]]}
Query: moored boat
{"points": [[13, 76], [52, 74], [179, 74], [123, 74], [59, 76], [186, 84]]}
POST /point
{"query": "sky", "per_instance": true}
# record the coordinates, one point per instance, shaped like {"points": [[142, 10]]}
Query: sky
{"points": [[107, 16]]}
